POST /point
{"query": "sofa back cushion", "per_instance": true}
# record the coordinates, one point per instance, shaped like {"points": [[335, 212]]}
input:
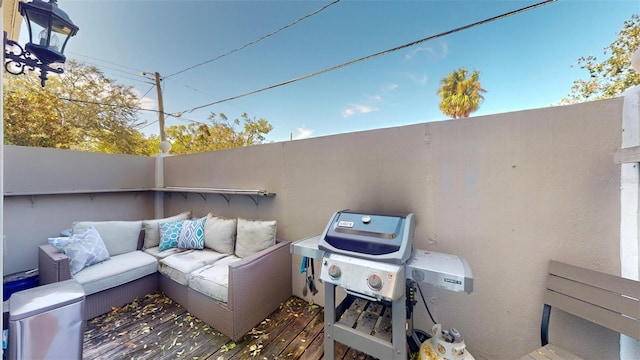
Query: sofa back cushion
{"points": [[119, 236], [152, 230], [220, 234], [254, 236]]}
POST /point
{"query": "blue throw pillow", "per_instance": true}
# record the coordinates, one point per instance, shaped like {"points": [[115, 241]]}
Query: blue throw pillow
{"points": [[84, 249], [169, 234], [192, 234]]}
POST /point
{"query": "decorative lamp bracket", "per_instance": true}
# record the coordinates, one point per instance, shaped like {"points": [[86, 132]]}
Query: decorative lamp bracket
{"points": [[17, 60]]}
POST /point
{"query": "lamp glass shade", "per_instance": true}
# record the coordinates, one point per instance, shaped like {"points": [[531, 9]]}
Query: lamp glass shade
{"points": [[46, 21]]}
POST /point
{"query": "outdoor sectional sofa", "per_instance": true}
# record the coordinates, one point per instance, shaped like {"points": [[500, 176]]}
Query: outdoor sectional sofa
{"points": [[240, 276]]}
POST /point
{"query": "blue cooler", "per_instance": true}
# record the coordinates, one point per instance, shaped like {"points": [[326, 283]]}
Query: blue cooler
{"points": [[18, 282]]}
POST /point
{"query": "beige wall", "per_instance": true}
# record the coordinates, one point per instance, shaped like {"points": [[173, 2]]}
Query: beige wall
{"points": [[38, 170], [508, 192], [12, 19], [49, 189]]}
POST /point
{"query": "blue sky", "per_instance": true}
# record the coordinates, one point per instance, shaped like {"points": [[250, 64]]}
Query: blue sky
{"points": [[524, 60]]}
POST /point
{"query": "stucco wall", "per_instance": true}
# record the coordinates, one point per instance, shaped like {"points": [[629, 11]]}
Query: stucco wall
{"points": [[508, 192], [40, 184]]}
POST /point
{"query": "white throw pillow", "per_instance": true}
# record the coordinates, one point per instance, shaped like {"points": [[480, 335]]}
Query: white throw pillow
{"points": [[83, 249], [152, 230], [220, 234], [119, 236], [254, 236]]}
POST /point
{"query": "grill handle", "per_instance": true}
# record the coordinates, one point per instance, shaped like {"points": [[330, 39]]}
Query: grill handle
{"points": [[370, 298]]}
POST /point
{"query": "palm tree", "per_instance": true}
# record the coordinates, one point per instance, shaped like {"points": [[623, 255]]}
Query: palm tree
{"points": [[460, 95]]}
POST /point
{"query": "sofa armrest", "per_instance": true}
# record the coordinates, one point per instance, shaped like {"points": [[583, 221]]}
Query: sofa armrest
{"points": [[53, 266], [260, 282]]}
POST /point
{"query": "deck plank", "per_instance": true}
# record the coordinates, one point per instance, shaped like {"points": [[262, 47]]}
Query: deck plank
{"points": [[305, 338], [298, 322], [155, 327]]}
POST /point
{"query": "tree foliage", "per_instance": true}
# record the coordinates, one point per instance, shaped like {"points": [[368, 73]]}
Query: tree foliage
{"points": [[79, 110], [221, 134], [84, 110], [610, 77], [461, 95]]}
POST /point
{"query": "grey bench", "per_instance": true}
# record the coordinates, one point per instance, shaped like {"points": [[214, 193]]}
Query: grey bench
{"points": [[607, 300]]}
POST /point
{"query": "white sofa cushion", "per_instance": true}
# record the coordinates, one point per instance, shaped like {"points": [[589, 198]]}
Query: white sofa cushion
{"points": [[178, 267], [213, 280], [254, 236], [152, 230], [119, 236], [155, 252], [118, 270], [220, 234]]}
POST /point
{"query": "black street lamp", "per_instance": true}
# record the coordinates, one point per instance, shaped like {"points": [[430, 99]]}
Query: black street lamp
{"points": [[47, 23]]}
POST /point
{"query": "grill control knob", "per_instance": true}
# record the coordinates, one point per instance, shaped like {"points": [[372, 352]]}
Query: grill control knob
{"points": [[375, 282], [334, 271]]}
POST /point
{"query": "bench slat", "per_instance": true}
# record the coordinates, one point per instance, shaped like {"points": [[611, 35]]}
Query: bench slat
{"points": [[600, 316], [596, 296], [562, 353], [609, 282], [550, 352]]}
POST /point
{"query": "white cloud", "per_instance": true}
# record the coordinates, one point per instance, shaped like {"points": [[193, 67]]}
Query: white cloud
{"points": [[390, 87], [353, 109], [441, 51], [410, 55], [145, 102], [303, 133], [420, 79], [367, 105], [445, 49]]}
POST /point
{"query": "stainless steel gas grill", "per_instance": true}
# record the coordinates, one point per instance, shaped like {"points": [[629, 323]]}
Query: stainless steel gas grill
{"points": [[365, 254], [371, 257]]}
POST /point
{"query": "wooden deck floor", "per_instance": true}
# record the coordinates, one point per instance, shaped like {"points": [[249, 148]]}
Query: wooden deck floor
{"points": [[154, 327]]}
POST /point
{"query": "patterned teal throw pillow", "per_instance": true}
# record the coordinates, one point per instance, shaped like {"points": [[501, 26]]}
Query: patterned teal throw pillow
{"points": [[169, 234], [192, 234]]}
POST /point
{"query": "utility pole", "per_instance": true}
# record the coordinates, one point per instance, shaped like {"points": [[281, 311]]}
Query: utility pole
{"points": [[160, 108], [165, 146]]}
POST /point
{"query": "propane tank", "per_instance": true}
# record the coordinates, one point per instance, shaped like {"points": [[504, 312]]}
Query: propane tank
{"points": [[444, 345]]}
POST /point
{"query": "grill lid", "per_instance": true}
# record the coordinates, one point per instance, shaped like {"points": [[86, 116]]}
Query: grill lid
{"points": [[379, 237]]}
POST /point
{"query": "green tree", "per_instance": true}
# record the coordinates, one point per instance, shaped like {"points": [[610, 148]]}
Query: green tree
{"points": [[460, 95], [610, 77], [79, 110], [221, 134]]}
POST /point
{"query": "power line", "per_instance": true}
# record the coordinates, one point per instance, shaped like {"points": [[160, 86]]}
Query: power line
{"points": [[102, 67], [148, 91], [107, 104], [372, 55], [238, 107], [256, 40], [109, 62]]}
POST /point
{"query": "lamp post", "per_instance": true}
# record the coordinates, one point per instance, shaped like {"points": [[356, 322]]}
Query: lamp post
{"points": [[47, 23]]}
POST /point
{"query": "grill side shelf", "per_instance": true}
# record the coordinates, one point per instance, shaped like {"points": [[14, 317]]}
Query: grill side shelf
{"points": [[308, 247]]}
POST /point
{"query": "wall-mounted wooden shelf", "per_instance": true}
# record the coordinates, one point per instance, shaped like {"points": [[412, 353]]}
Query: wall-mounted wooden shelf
{"points": [[627, 155], [254, 195], [73, 191]]}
